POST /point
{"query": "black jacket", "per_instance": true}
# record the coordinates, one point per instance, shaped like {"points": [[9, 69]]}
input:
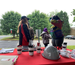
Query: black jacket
{"points": [[24, 35]]}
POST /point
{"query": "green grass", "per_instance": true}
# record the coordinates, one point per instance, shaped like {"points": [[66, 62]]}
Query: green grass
{"points": [[10, 38], [71, 47], [17, 38]]}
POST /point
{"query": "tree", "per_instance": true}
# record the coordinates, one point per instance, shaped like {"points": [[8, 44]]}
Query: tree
{"points": [[73, 14], [66, 26], [38, 20], [71, 24], [10, 20], [53, 13], [1, 33]]}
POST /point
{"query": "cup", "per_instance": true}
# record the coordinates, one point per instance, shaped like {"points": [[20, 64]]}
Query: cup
{"points": [[64, 45], [19, 49], [31, 53], [31, 50], [38, 50], [38, 44]]}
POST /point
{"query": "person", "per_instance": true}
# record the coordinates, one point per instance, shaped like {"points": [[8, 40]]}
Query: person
{"points": [[45, 36], [24, 35], [31, 31], [56, 32]]}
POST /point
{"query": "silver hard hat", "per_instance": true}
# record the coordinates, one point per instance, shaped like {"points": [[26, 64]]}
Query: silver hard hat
{"points": [[50, 52]]}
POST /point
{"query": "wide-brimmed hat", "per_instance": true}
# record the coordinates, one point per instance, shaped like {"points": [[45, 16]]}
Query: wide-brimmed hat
{"points": [[24, 17]]}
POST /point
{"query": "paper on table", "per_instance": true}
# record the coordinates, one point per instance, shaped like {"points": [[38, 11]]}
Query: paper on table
{"points": [[8, 59], [4, 59], [9, 50]]}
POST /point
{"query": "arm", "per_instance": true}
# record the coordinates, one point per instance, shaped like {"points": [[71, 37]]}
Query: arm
{"points": [[47, 36], [20, 36]]}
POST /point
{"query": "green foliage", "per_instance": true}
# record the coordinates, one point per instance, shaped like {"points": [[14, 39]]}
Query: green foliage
{"points": [[66, 26], [71, 47], [1, 33], [38, 20], [71, 24], [10, 20], [73, 13]]}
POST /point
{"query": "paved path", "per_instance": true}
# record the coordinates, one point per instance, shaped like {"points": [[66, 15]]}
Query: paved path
{"points": [[8, 44], [69, 42], [3, 36], [13, 44]]}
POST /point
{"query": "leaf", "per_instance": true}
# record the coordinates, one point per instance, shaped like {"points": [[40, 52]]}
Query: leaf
{"points": [[38, 20], [9, 21], [66, 26]]}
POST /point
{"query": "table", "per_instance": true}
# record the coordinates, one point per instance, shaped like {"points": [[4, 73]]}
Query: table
{"points": [[38, 59]]}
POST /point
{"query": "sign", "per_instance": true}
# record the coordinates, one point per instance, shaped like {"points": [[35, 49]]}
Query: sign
{"points": [[38, 32], [11, 30]]}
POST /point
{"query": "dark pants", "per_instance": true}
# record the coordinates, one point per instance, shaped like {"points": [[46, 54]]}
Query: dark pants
{"points": [[46, 44], [57, 42]]}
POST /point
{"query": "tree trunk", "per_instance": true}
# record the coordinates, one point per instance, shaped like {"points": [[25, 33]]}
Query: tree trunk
{"points": [[13, 35], [17, 35]]}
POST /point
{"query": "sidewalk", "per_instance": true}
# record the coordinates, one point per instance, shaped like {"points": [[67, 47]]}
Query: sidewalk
{"points": [[42, 45], [69, 42]]}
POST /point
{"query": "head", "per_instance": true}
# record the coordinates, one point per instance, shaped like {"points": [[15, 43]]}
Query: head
{"points": [[24, 20], [56, 21], [45, 30], [54, 18]]}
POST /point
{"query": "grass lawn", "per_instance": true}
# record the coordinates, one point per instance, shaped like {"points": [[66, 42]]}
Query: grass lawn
{"points": [[71, 47], [10, 38], [17, 38]]}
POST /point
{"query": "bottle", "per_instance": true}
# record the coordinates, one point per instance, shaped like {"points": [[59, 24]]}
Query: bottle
{"points": [[64, 46], [38, 48], [31, 48]]}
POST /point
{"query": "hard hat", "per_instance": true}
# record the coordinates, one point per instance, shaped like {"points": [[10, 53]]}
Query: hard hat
{"points": [[50, 52]]}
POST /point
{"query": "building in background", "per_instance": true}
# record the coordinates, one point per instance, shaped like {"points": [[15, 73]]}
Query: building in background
{"points": [[72, 32]]}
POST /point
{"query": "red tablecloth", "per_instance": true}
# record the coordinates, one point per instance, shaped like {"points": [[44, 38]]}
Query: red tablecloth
{"points": [[38, 59]]}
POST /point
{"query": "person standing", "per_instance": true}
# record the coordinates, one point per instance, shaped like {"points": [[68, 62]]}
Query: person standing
{"points": [[31, 31], [24, 35], [45, 36]]}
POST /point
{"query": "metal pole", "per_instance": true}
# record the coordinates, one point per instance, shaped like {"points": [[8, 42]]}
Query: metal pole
{"points": [[38, 35]]}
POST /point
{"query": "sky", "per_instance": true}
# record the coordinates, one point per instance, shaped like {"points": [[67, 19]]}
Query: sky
{"points": [[25, 12]]}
